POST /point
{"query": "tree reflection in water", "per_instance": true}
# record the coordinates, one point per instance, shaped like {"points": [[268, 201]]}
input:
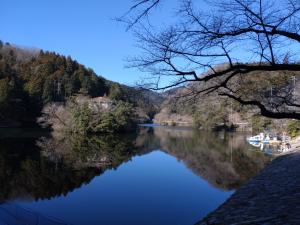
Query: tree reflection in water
{"points": [[225, 160], [49, 167]]}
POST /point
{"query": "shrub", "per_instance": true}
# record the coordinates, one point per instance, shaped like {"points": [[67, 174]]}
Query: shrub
{"points": [[79, 117], [293, 128]]}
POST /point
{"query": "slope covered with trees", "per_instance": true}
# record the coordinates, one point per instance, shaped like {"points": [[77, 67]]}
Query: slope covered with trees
{"points": [[30, 79], [214, 112]]}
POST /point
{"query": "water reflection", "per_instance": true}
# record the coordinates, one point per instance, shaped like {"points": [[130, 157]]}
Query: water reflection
{"points": [[54, 166], [225, 160], [80, 152], [270, 149]]}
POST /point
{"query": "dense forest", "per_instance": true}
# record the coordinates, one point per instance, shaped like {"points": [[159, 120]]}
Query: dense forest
{"points": [[30, 79]]}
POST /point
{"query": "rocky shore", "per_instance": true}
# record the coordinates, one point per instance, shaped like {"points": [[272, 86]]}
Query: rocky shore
{"points": [[271, 197]]}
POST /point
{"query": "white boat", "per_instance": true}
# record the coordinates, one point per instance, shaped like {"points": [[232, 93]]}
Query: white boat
{"points": [[256, 138], [259, 138], [256, 144]]}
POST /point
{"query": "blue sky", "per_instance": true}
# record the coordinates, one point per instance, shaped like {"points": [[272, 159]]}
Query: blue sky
{"points": [[85, 30]]}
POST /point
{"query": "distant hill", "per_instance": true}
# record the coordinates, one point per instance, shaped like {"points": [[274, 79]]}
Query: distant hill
{"points": [[186, 106], [31, 78]]}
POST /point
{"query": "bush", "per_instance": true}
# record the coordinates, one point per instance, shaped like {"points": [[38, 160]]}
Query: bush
{"points": [[293, 128], [211, 118], [119, 118], [79, 117], [82, 117], [260, 123]]}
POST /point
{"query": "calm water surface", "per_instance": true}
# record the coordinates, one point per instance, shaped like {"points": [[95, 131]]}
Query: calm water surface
{"points": [[156, 175]]}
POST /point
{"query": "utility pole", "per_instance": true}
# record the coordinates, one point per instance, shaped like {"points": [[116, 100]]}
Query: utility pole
{"points": [[271, 92], [271, 100], [294, 85], [231, 111], [294, 91]]}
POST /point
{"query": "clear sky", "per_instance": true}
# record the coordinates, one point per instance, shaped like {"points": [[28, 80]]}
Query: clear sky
{"points": [[83, 29]]}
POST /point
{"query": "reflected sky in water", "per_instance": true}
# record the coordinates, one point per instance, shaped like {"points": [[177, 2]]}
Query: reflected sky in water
{"points": [[154, 176]]}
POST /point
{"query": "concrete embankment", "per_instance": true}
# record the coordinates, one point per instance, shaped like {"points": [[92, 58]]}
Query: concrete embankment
{"points": [[272, 197]]}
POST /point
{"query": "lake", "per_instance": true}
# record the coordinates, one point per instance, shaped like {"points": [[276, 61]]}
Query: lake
{"points": [[156, 175]]}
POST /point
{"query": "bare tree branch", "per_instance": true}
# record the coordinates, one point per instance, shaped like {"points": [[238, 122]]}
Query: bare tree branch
{"points": [[228, 47]]}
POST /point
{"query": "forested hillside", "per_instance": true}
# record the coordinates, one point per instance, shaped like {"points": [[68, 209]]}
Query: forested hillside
{"points": [[30, 79], [188, 106]]}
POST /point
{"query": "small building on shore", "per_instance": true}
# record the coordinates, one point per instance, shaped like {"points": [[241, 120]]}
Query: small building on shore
{"points": [[100, 103]]}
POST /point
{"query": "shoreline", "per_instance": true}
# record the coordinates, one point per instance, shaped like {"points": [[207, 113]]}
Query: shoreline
{"points": [[271, 197]]}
